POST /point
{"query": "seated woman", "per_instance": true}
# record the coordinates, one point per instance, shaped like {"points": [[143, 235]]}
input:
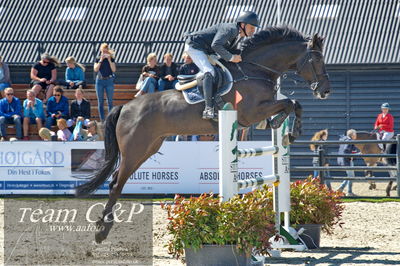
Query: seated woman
{"points": [[63, 132], [80, 109], [169, 73], [75, 74], [57, 107], [151, 74], [33, 113], [44, 75]]}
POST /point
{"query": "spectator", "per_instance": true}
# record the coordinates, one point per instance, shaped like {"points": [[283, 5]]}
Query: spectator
{"points": [[347, 149], [384, 124], [105, 68], [44, 75], [5, 81], [168, 74], [57, 107], [188, 68], [63, 132], [10, 113], [75, 74], [92, 131], [320, 136], [151, 74], [33, 112], [80, 109], [47, 135]]}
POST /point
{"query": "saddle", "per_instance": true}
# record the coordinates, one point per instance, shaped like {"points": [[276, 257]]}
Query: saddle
{"points": [[191, 85]]}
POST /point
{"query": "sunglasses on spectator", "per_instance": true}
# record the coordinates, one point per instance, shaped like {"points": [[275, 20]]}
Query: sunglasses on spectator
{"points": [[9, 94], [57, 94], [46, 62]]}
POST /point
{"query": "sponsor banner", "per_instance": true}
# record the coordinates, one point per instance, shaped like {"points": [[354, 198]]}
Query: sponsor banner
{"points": [[178, 167]]}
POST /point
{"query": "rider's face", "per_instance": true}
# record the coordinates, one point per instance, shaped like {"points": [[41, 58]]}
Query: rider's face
{"points": [[385, 110], [250, 30]]}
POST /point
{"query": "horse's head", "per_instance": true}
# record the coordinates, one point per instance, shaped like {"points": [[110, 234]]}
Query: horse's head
{"points": [[311, 67]]}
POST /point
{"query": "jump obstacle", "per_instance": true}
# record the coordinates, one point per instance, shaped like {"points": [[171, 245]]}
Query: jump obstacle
{"points": [[229, 185]]}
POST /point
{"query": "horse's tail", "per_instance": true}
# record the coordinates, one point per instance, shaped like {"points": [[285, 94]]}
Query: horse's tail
{"points": [[111, 158]]}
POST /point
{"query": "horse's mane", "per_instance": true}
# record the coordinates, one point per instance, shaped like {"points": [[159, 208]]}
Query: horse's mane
{"points": [[272, 35]]}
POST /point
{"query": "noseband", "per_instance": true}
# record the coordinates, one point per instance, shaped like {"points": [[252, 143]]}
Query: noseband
{"points": [[316, 77]]}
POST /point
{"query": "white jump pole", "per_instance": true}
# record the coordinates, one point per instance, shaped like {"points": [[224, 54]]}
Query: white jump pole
{"points": [[281, 165], [245, 153], [228, 163]]}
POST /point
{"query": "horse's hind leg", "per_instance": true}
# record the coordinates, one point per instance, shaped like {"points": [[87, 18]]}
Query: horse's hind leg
{"points": [[136, 156], [390, 184], [120, 177], [388, 188]]}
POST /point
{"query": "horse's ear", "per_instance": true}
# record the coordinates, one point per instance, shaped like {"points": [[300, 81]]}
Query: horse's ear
{"points": [[316, 42], [313, 41], [321, 41]]}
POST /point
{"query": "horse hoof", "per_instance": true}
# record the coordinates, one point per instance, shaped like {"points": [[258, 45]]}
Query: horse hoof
{"points": [[286, 140], [275, 125], [102, 230], [99, 237]]}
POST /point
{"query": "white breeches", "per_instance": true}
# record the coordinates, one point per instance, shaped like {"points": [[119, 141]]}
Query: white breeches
{"points": [[383, 135], [200, 59]]}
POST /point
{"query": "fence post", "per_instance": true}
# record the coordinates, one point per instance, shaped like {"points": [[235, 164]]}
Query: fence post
{"points": [[398, 164], [228, 166], [321, 163]]}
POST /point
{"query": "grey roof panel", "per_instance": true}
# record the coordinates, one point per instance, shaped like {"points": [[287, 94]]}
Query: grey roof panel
{"points": [[363, 32]]}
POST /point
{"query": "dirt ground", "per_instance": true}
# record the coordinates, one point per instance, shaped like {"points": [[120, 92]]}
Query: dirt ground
{"points": [[370, 236]]}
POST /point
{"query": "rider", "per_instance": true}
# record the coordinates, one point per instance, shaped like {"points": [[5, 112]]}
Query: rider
{"points": [[221, 39], [384, 124]]}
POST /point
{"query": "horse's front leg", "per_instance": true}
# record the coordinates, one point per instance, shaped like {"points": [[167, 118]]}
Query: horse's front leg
{"points": [[297, 125], [280, 109]]}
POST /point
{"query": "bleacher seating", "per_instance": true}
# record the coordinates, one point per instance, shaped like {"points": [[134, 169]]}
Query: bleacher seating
{"points": [[123, 93]]}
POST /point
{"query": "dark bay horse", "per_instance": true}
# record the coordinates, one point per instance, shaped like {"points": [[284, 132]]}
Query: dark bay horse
{"points": [[373, 148], [136, 130]]}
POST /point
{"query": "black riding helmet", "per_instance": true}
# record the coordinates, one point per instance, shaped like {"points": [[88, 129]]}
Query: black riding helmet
{"points": [[248, 17]]}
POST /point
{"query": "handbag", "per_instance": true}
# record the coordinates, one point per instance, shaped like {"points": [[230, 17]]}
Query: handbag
{"points": [[139, 83]]}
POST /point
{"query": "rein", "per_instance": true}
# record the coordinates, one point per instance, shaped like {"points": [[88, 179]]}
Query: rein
{"points": [[314, 82], [246, 77]]}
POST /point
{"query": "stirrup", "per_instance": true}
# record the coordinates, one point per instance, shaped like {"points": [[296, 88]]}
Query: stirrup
{"points": [[208, 113]]}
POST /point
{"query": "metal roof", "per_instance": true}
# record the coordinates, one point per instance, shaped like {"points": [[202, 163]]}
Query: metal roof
{"points": [[357, 31]]}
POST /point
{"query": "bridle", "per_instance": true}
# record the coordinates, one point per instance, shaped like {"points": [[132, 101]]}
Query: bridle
{"points": [[316, 77], [314, 82]]}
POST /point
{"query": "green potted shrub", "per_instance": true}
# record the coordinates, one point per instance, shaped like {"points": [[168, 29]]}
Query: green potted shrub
{"points": [[210, 232], [314, 207]]}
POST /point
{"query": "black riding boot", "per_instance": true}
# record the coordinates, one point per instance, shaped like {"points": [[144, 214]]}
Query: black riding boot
{"points": [[208, 112]]}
